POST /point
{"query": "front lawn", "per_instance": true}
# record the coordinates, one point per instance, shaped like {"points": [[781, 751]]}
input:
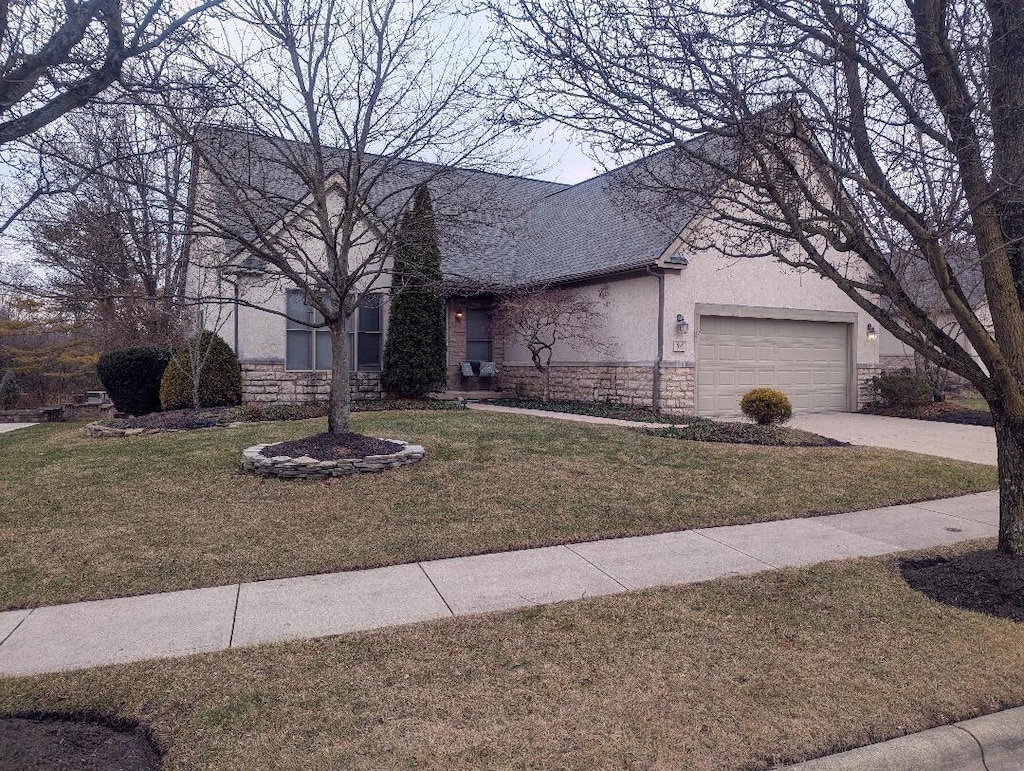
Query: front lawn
{"points": [[735, 674], [84, 518]]}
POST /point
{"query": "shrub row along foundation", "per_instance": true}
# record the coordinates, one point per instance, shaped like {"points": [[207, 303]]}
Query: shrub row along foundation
{"points": [[304, 467]]}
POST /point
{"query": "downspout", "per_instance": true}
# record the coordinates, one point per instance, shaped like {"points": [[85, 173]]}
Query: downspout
{"points": [[656, 379], [234, 315]]}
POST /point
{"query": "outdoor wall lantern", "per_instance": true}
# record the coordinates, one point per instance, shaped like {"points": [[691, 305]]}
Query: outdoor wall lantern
{"points": [[872, 333], [458, 315], [682, 325]]}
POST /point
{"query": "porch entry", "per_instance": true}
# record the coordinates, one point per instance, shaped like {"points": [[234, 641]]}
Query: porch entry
{"points": [[479, 361]]}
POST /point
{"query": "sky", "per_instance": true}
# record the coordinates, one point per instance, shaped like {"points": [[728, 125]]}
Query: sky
{"points": [[560, 158]]}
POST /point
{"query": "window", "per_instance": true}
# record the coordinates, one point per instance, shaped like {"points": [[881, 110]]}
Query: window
{"points": [[478, 334], [308, 341], [365, 334]]}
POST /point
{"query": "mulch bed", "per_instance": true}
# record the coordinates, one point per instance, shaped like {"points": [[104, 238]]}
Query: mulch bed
{"points": [[332, 446], [68, 743], [987, 582], [209, 417], [703, 430], [179, 420], [594, 409], [943, 412]]}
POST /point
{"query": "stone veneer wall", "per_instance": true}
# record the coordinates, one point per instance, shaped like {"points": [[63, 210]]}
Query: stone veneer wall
{"points": [[864, 374], [897, 362], [271, 382], [617, 384]]}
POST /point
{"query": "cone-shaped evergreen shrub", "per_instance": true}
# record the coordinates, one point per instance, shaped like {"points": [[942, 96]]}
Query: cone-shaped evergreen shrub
{"points": [[131, 377], [414, 354], [211, 359], [9, 391]]}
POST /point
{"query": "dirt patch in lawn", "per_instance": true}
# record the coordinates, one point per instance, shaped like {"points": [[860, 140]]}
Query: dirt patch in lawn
{"points": [[71, 743], [987, 582], [703, 430], [332, 446]]}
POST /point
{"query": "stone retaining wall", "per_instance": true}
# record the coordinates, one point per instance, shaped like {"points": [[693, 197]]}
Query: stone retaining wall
{"points": [[271, 382], [304, 467]]}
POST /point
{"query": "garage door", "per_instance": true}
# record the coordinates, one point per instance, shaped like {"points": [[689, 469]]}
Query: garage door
{"points": [[806, 360]]}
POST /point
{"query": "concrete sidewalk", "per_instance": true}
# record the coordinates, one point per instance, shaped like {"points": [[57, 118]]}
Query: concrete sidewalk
{"points": [[86, 634], [989, 743], [569, 416]]}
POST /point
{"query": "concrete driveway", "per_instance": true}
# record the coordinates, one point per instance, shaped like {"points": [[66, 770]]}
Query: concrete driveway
{"points": [[5, 427], [947, 440]]}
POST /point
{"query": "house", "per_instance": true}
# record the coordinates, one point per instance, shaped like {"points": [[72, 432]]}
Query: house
{"points": [[686, 331]]}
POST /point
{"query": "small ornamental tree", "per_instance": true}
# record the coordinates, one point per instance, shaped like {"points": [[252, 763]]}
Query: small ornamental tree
{"points": [[414, 354], [9, 391], [544, 319], [203, 373]]}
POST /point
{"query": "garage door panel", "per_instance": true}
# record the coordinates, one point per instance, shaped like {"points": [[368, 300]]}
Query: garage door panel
{"points": [[808, 361]]}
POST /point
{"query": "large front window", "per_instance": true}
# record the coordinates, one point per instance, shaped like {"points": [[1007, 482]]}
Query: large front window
{"points": [[308, 340]]}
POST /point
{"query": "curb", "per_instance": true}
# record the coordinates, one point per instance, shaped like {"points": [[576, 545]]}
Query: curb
{"points": [[991, 743]]}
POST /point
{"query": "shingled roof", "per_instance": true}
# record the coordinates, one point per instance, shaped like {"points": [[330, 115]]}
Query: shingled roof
{"points": [[496, 231]]}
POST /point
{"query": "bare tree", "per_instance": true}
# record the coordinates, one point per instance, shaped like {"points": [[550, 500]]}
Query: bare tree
{"points": [[545, 319], [113, 250], [847, 139], [57, 56], [343, 109]]}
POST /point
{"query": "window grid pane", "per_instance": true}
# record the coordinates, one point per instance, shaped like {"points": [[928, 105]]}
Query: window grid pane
{"points": [[478, 324], [323, 349], [369, 351], [478, 350], [298, 349], [369, 313]]}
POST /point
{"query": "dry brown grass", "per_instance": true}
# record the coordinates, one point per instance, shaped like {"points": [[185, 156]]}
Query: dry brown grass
{"points": [[735, 674], [88, 518]]}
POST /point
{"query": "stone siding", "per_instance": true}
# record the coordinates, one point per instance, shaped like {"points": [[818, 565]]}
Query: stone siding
{"points": [[864, 374], [617, 384], [677, 390], [270, 382], [897, 362]]}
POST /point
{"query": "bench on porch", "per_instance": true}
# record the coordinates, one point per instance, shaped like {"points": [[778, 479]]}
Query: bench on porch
{"points": [[481, 370]]}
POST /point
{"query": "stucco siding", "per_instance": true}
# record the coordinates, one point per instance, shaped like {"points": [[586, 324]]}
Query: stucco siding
{"points": [[628, 308]]}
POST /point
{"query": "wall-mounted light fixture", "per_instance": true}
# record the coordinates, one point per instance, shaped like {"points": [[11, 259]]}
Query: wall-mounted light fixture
{"points": [[459, 314], [872, 332], [682, 325]]}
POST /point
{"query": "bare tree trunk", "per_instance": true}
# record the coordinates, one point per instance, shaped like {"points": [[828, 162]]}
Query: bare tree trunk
{"points": [[338, 412], [547, 382], [1010, 447]]}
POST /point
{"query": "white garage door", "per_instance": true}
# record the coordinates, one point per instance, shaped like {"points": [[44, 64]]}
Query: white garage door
{"points": [[806, 360]]}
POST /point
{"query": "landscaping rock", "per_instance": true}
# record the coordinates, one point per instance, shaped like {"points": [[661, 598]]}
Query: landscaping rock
{"points": [[305, 467]]}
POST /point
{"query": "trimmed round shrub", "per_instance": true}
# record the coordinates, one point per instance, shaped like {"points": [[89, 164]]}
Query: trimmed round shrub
{"points": [[902, 388], [218, 370], [766, 406], [131, 377]]}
